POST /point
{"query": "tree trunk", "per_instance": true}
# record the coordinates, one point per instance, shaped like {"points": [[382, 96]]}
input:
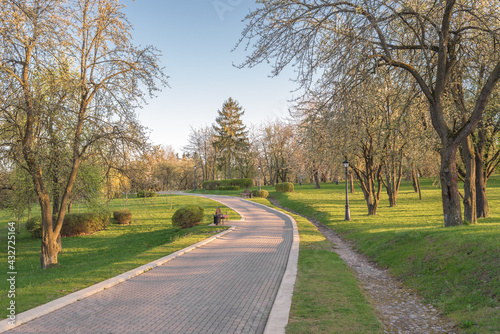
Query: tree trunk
{"points": [[316, 179], [351, 182], [419, 189], [390, 187], [482, 207], [470, 213], [367, 183], [372, 208], [414, 178], [449, 186], [50, 249], [392, 196], [50, 245]]}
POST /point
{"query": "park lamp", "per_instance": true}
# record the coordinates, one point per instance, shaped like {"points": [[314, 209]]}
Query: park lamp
{"points": [[259, 177], [347, 210], [194, 182]]}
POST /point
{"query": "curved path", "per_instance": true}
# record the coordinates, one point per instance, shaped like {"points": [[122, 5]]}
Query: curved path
{"points": [[226, 286]]}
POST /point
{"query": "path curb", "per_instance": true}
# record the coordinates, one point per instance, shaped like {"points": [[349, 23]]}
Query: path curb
{"points": [[278, 318], [56, 304]]}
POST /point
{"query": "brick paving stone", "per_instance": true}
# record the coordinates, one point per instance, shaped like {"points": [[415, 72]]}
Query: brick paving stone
{"points": [[226, 286]]}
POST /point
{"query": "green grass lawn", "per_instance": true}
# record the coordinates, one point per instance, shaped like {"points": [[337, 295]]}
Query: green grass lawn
{"points": [[90, 259], [326, 296], [457, 269]]}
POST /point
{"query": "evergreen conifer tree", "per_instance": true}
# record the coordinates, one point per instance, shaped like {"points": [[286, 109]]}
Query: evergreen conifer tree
{"points": [[230, 134]]}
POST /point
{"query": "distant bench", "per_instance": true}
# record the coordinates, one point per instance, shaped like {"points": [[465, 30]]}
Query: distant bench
{"points": [[247, 194]]}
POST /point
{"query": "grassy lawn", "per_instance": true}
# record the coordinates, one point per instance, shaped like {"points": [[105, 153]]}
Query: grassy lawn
{"points": [[456, 269], [90, 259], [326, 297]]}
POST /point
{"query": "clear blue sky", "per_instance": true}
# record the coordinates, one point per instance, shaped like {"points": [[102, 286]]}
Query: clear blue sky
{"points": [[196, 38]]}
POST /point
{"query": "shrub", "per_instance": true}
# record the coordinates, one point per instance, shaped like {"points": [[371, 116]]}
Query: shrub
{"points": [[187, 216], [284, 187], [122, 216], [260, 193], [144, 193], [34, 227], [84, 223], [74, 224], [229, 188]]}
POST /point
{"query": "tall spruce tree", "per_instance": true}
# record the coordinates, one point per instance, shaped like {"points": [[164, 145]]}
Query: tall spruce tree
{"points": [[230, 134]]}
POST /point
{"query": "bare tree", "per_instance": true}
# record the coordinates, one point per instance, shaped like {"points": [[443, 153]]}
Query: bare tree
{"points": [[71, 58], [200, 142], [346, 38]]}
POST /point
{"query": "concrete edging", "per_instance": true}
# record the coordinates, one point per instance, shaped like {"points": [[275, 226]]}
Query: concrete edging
{"points": [[56, 304]]}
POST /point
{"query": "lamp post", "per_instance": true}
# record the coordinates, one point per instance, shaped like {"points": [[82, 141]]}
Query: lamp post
{"points": [[194, 182], [347, 211], [259, 178]]}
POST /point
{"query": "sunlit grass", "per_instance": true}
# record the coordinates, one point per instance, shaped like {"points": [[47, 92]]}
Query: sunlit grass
{"points": [[456, 269], [326, 296], [89, 259]]}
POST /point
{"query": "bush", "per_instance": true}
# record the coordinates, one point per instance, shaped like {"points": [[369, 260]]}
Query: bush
{"points": [[74, 224], [260, 193], [84, 223], [284, 187], [144, 193], [188, 216], [122, 216], [34, 227], [229, 188]]}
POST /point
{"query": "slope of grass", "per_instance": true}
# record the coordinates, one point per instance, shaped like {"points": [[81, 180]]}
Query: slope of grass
{"points": [[326, 296], [456, 269], [89, 259]]}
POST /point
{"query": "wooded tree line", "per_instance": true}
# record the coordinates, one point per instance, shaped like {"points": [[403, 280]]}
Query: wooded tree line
{"points": [[444, 52], [385, 145]]}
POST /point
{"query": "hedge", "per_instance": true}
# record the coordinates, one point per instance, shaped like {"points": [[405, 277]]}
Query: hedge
{"points": [[188, 216], [228, 188], [284, 187], [214, 185]]}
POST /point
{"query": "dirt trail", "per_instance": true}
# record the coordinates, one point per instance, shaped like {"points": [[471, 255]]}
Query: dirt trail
{"points": [[399, 309]]}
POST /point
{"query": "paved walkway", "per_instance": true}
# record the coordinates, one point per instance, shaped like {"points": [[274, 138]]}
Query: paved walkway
{"points": [[226, 286]]}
